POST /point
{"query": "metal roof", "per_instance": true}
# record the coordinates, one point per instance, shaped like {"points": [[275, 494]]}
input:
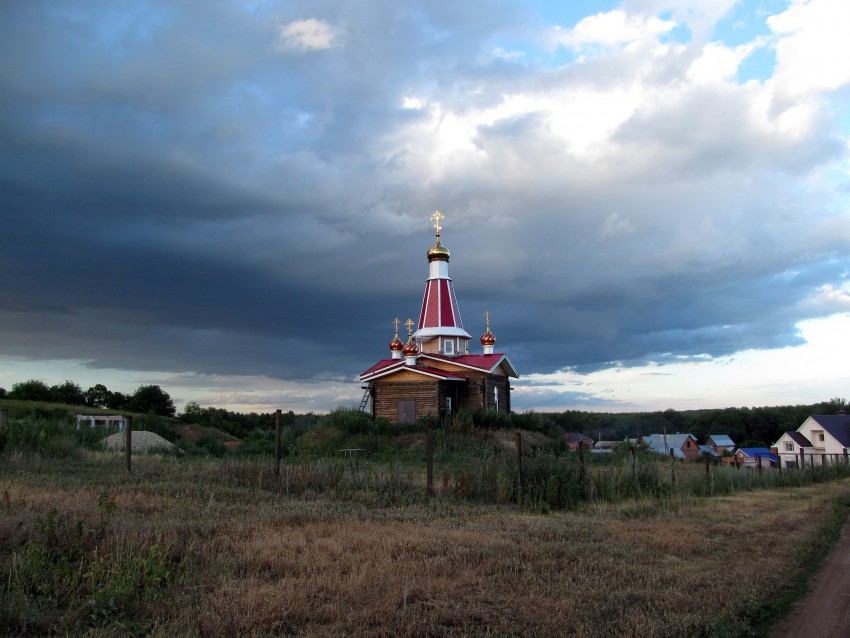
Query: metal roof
{"points": [[721, 440], [763, 452]]}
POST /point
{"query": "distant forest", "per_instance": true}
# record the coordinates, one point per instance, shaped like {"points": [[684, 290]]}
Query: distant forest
{"points": [[760, 426]]}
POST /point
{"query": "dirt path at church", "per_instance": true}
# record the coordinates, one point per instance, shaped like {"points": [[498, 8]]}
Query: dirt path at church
{"points": [[825, 611]]}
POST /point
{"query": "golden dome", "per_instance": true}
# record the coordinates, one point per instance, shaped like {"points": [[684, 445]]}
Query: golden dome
{"points": [[410, 349], [438, 252]]}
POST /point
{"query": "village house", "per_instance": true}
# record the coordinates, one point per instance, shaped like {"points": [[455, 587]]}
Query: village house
{"points": [[753, 457], [681, 446], [607, 447], [434, 373], [821, 439], [574, 439], [109, 421], [720, 443]]}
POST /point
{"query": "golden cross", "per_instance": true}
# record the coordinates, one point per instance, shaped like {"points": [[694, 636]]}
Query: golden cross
{"points": [[437, 217], [487, 318], [395, 323], [409, 324]]}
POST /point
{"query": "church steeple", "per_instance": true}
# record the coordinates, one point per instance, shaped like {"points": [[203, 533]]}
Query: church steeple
{"points": [[440, 328]]}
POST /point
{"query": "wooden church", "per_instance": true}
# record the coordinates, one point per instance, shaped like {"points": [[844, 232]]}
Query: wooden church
{"points": [[434, 372]]}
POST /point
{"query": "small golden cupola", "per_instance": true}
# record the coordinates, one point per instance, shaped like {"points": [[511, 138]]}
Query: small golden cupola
{"points": [[410, 350], [396, 345], [488, 339]]}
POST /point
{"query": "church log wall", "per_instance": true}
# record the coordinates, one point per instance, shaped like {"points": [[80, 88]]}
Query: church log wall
{"points": [[425, 393]]}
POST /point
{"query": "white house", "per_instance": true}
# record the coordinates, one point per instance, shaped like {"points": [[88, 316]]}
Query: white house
{"points": [[110, 421], [821, 439]]}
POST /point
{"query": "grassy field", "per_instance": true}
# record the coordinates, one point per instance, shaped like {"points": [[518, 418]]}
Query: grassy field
{"points": [[219, 547]]}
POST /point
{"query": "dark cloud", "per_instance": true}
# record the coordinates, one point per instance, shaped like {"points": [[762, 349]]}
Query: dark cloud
{"points": [[180, 192]]}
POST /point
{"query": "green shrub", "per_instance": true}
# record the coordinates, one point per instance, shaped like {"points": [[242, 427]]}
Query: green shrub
{"points": [[73, 574]]}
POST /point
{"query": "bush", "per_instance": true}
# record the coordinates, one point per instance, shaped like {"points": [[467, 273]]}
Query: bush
{"points": [[52, 438], [212, 446]]}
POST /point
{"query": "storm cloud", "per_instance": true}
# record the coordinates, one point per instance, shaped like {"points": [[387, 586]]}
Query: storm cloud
{"points": [[244, 188]]}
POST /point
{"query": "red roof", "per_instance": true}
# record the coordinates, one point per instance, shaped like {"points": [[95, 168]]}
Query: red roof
{"points": [[483, 362], [439, 306]]}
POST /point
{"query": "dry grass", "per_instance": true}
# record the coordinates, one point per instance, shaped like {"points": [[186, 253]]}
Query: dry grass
{"points": [[258, 563]]}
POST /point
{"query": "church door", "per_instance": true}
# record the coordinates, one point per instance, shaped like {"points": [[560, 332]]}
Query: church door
{"points": [[407, 411]]}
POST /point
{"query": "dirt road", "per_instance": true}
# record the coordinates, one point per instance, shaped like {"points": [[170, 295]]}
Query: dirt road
{"points": [[825, 611]]}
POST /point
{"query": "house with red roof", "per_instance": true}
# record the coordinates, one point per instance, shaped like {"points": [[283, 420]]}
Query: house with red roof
{"points": [[822, 439], [434, 373]]}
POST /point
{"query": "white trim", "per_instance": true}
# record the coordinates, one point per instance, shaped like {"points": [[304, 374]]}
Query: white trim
{"points": [[448, 376], [441, 332]]}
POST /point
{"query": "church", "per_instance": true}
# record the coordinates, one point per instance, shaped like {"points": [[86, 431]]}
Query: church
{"points": [[433, 373]]}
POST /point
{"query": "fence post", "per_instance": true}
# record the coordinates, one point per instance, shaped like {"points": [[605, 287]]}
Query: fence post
{"points": [[582, 471], [634, 468], [758, 462], [802, 458], [672, 468], [128, 442], [845, 455], [429, 450], [707, 472], [277, 443], [518, 467]]}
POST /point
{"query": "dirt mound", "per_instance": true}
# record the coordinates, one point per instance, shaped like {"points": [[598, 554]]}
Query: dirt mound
{"points": [[142, 441]]}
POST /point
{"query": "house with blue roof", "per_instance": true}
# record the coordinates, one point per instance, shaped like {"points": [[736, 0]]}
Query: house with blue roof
{"points": [[822, 439], [681, 446], [752, 456], [720, 443]]}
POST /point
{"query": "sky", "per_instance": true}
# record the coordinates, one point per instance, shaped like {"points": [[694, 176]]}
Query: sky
{"points": [[232, 199]]}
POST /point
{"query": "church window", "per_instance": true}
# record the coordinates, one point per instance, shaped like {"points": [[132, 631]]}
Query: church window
{"points": [[449, 346]]}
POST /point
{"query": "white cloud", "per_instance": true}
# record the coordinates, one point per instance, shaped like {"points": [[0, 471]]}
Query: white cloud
{"points": [[813, 49], [308, 35], [612, 28]]}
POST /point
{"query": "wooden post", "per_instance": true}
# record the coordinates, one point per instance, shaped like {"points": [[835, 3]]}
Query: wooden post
{"points": [[634, 467], [128, 442], [582, 472], [277, 443], [802, 458], [429, 450], [518, 467], [845, 455], [707, 472], [758, 462], [672, 468]]}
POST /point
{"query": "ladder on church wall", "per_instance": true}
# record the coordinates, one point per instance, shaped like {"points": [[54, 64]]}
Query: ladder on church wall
{"points": [[367, 391]]}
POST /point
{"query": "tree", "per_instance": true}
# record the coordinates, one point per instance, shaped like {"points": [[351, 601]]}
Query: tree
{"points": [[192, 412], [3, 393], [97, 396], [68, 392], [151, 399], [117, 401], [32, 390]]}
